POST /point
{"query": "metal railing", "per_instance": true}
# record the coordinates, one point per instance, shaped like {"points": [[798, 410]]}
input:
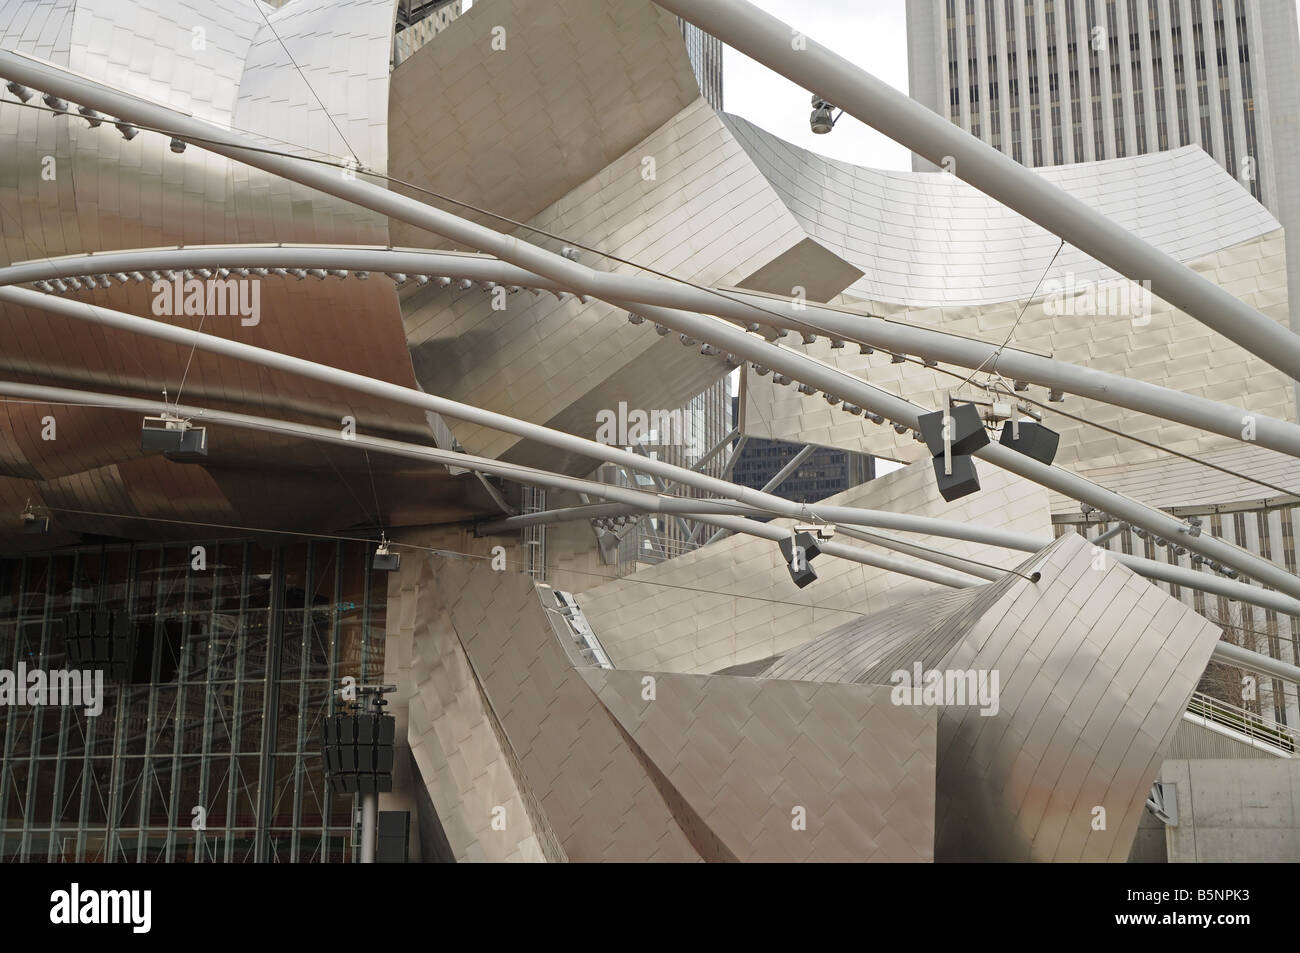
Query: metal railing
{"points": [[1249, 723]]}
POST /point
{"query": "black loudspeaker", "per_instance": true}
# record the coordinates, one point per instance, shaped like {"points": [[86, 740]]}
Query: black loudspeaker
{"points": [[394, 832], [100, 640], [387, 562], [36, 525], [802, 577], [963, 480], [968, 433], [1035, 441], [358, 752], [806, 541]]}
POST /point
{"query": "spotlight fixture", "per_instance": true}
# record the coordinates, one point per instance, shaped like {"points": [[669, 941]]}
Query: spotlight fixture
{"points": [[1021, 385], [807, 389], [298, 273], [397, 277], [780, 379], [823, 116], [1055, 396], [753, 327], [203, 273], [92, 117], [338, 272], [809, 338], [762, 371], [122, 277], [60, 285], [900, 428], [127, 130], [688, 341], [34, 525], [55, 103], [708, 350], [464, 284], [384, 560], [661, 330], [176, 145], [171, 434], [19, 90], [569, 253], [832, 399], [836, 344], [361, 275], [44, 286], [137, 276], [863, 349], [443, 281], [318, 273], [897, 359], [853, 409]]}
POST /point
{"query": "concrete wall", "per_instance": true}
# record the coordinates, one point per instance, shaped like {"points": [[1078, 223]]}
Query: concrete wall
{"points": [[1234, 810]]}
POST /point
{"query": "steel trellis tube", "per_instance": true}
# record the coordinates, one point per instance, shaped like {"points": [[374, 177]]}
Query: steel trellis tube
{"points": [[635, 498], [767, 40], [737, 305], [578, 277], [640, 501]]}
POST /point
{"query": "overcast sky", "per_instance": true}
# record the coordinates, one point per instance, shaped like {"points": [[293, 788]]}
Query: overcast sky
{"points": [[871, 33]]}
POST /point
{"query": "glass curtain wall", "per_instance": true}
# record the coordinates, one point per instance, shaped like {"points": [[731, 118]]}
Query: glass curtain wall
{"points": [[209, 750]]}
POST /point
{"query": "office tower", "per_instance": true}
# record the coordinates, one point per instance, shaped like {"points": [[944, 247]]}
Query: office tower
{"points": [[1052, 82]]}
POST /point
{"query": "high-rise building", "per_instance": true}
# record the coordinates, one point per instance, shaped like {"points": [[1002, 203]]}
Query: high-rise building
{"points": [[824, 472], [1052, 82], [705, 53], [194, 606]]}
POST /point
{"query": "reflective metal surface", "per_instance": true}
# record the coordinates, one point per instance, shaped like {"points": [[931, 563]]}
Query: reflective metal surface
{"points": [[220, 62], [1095, 670]]}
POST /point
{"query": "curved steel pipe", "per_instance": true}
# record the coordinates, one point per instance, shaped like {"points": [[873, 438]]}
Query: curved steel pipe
{"points": [[736, 305], [767, 40], [52, 79]]}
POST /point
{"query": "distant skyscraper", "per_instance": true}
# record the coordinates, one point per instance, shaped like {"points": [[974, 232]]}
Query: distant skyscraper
{"points": [[826, 471], [705, 53], [1050, 82]]}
